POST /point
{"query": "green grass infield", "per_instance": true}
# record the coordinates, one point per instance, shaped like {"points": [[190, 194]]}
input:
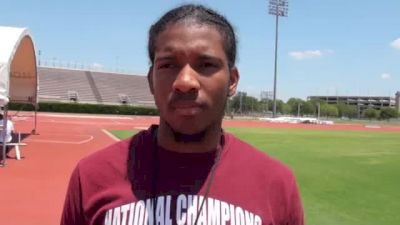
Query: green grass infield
{"points": [[345, 177]]}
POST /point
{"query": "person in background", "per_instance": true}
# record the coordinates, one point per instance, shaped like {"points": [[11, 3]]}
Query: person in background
{"points": [[9, 133]]}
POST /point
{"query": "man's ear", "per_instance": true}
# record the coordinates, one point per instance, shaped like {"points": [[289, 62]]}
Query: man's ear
{"points": [[233, 81], [150, 79]]}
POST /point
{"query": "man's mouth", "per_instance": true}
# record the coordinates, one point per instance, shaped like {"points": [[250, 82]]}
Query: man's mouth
{"points": [[185, 108]]}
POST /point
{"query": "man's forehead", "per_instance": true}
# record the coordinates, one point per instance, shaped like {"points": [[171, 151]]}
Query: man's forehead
{"points": [[177, 47], [189, 37]]}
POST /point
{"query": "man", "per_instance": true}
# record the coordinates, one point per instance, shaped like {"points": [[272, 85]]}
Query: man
{"points": [[187, 170], [8, 135]]}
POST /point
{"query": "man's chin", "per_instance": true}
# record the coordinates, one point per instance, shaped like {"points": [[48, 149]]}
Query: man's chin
{"points": [[189, 138], [189, 135]]}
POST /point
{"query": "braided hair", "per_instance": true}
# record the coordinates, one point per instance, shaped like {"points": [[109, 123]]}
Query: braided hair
{"points": [[197, 14]]}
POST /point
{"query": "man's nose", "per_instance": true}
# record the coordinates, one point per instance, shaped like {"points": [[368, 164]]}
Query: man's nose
{"points": [[186, 80]]}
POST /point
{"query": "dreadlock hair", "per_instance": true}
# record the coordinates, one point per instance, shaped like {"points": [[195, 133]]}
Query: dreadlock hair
{"points": [[197, 14]]}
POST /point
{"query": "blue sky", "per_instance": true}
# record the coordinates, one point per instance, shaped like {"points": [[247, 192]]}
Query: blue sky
{"points": [[325, 47]]}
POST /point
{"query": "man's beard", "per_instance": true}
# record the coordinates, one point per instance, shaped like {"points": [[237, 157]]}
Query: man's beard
{"points": [[196, 137], [187, 138]]}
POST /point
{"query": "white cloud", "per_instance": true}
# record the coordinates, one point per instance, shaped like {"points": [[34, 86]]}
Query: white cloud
{"points": [[386, 76], [396, 44], [309, 54]]}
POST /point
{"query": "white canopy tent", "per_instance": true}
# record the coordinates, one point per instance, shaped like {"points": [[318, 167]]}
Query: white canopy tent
{"points": [[18, 72]]}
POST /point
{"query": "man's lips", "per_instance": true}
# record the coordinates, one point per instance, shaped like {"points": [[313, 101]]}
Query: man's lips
{"points": [[186, 108]]}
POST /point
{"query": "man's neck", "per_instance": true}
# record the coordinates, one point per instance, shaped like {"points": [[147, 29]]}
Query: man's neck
{"points": [[166, 139]]}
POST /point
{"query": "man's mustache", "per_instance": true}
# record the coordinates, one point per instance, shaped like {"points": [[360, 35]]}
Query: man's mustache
{"points": [[184, 96]]}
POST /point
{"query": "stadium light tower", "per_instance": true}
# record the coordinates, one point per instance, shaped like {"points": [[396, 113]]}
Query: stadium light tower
{"points": [[277, 8]]}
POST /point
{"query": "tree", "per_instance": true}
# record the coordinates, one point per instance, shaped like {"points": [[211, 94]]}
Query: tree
{"points": [[329, 110], [317, 103], [241, 103], [349, 111], [237, 103], [279, 105], [285, 109], [294, 104], [371, 113], [263, 105], [308, 108], [251, 104], [352, 111], [388, 113]]}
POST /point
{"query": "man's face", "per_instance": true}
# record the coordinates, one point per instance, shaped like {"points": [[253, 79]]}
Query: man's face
{"points": [[190, 77]]}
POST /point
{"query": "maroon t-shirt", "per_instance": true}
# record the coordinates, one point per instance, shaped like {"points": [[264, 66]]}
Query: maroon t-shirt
{"points": [[248, 187]]}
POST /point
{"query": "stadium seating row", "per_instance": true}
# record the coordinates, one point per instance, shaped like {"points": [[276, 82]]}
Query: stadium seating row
{"points": [[66, 85]]}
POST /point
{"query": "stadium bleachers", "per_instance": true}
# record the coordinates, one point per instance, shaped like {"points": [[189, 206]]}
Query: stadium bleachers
{"points": [[66, 85]]}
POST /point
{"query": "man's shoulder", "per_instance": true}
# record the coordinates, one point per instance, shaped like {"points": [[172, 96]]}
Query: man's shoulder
{"points": [[113, 149], [115, 155], [111, 154]]}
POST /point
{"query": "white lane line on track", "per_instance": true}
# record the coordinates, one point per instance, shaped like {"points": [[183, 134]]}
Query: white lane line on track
{"points": [[90, 138], [110, 135], [87, 123], [87, 116], [141, 128]]}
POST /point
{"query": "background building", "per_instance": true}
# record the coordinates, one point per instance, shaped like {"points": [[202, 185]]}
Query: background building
{"points": [[362, 102]]}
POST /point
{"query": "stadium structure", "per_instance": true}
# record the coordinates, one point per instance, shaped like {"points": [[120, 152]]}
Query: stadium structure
{"points": [[22, 81], [84, 86], [362, 102]]}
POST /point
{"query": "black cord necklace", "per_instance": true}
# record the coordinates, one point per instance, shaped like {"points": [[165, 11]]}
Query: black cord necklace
{"points": [[212, 175], [156, 173]]}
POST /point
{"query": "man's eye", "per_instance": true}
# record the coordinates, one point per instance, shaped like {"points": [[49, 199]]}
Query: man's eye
{"points": [[208, 65], [166, 66]]}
